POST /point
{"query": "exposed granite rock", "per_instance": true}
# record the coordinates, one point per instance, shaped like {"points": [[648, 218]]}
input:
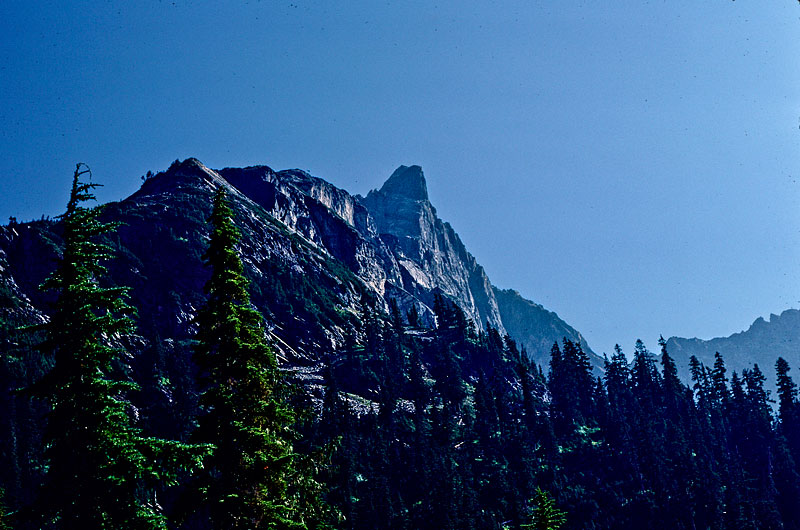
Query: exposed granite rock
{"points": [[314, 253], [429, 252], [327, 216], [16, 309], [408, 182]]}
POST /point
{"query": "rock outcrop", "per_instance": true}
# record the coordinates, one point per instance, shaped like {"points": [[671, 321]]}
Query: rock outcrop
{"points": [[762, 343], [430, 254], [318, 257]]}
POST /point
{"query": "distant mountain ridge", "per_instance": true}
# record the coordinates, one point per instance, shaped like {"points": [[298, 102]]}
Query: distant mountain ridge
{"points": [[762, 343], [315, 255]]}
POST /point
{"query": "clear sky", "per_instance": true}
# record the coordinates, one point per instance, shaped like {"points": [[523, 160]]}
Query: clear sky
{"points": [[631, 165]]}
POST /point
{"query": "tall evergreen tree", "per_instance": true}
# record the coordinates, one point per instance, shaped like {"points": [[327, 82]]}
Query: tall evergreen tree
{"points": [[617, 382], [572, 386], [254, 478], [701, 387], [4, 524], [101, 472], [719, 382], [672, 386], [645, 378], [788, 408], [545, 514], [787, 392]]}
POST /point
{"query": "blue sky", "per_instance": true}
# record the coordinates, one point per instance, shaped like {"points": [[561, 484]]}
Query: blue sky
{"points": [[631, 165]]}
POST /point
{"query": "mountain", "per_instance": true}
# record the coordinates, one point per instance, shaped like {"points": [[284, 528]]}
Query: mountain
{"points": [[432, 258], [318, 258], [422, 422], [762, 343]]}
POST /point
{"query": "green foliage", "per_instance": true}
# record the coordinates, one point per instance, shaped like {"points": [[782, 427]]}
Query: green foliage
{"points": [[477, 434], [4, 517], [101, 471], [254, 478], [545, 515]]}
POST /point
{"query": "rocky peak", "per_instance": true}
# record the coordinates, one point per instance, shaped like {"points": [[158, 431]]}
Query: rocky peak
{"points": [[408, 182], [431, 256], [192, 162], [300, 232], [180, 175]]}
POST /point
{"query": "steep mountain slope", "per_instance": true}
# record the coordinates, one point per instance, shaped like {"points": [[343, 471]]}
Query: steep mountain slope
{"points": [[533, 325], [762, 343], [430, 254], [318, 257], [309, 297], [432, 258], [435, 426]]}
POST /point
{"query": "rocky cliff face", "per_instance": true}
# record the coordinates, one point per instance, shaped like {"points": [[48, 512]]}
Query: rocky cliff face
{"points": [[326, 216], [318, 257], [16, 308], [433, 259], [430, 254], [762, 343]]}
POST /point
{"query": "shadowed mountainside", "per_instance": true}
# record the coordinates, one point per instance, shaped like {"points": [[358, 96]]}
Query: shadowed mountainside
{"points": [[762, 343]]}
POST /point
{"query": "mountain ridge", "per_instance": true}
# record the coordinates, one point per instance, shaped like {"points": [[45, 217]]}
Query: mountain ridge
{"points": [[335, 247], [761, 343]]}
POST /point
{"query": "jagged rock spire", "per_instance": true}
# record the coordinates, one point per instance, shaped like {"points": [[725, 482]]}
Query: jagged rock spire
{"points": [[408, 182]]}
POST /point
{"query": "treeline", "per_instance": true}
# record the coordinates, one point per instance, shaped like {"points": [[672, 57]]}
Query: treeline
{"points": [[461, 429], [409, 427]]}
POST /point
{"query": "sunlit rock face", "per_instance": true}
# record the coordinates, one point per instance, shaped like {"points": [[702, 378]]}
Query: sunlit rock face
{"points": [[430, 253], [317, 256], [432, 259]]}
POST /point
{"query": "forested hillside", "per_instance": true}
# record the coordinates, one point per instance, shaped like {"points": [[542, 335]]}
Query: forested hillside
{"points": [[283, 360]]}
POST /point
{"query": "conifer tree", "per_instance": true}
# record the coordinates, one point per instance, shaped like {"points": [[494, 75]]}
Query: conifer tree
{"points": [[336, 429], [413, 316], [545, 514], [617, 382], [719, 383], [572, 385], [644, 378], [701, 387], [4, 524], [787, 392], [671, 383], [788, 408], [101, 472], [254, 479]]}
